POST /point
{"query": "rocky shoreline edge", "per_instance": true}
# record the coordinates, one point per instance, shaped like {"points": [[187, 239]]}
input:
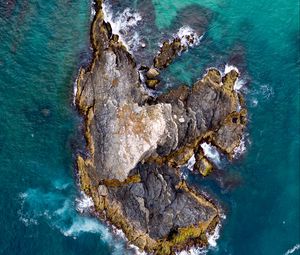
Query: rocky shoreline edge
{"points": [[137, 143]]}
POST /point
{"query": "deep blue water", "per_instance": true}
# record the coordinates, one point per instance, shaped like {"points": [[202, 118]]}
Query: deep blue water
{"points": [[42, 45]]}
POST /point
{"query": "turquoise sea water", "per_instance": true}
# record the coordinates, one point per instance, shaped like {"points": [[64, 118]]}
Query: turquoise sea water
{"points": [[42, 44]]}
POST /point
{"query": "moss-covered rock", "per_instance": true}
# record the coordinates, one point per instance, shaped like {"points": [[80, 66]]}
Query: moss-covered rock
{"points": [[167, 53], [152, 83]]}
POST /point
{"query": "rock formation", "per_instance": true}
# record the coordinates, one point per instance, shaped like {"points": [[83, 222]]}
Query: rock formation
{"points": [[137, 143]]}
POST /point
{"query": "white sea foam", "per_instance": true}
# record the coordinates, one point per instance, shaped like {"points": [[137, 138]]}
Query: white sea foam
{"points": [[75, 88], [61, 184], [64, 209], [254, 102], [212, 239], [23, 195], [24, 217], [193, 251], [239, 83], [189, 166], [241, 149], [188, 36], [263, 92], [120, 234], [229, 68], [292, 250], [122, 24], [93, 10], [30, 217], [191, 162], [28, 221], [84, 203], [184, 174], [58, 211], [211, 152], [133, 42], [136, 250], [82, 224], [266, 91]]}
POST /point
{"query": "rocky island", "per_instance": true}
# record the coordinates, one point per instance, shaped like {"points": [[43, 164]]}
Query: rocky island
{"points": [[137, 142]]}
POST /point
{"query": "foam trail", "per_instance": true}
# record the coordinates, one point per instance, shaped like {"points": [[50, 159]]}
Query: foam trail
{"points": [[266, 91], [61, 185], [292, 250], [63, 210], [81, 224]]}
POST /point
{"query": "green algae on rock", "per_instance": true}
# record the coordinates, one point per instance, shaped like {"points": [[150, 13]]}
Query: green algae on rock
{"points": [[137, 143]]}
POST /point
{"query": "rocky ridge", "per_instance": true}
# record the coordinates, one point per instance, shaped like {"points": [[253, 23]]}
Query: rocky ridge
{"points": [[136, 144]]}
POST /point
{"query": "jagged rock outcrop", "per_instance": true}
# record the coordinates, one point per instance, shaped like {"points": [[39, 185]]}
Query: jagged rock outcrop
{"points": [[136, 143], [168, 52]]}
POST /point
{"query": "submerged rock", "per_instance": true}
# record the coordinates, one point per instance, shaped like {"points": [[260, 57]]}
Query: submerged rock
{"points": [[137, 143], [193, 16]]}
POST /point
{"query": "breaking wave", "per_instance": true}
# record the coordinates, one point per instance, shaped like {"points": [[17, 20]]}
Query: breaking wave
{"points": [[239, 83], [229, 68], [212, 239], [211, 153], [188, 36], [84, 203]]}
